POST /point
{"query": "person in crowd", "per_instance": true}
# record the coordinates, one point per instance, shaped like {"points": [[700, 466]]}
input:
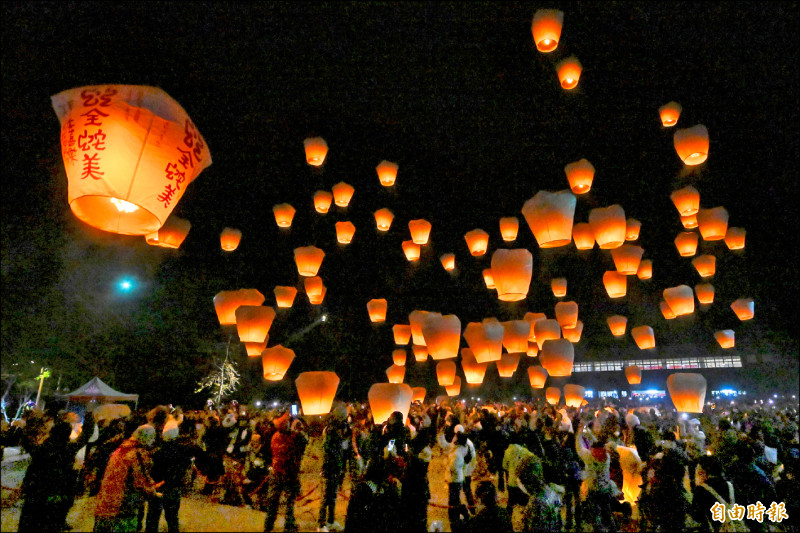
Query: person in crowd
{"points": [[572, 478], [288, 445], [458, 455], [710, 487], [490, 516], [415, 493], [512, 457], [750, 482], [666, 500], [336, 447], [598, 491], [374, 505], [542, 512]]}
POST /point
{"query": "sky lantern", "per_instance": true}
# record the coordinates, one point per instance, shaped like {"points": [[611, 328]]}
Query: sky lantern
{"points": [[573, 335], [689, 221], [706, 265], [617, 324], [627, 258], [680, 299], [692, 144], [688, 391], [645, 270], [537, 376], [734, 238], [580, 175], [386, 398], [686, 200], [616, 284], [574, 395], [515, 335], [552, 395], [446, 372], [448, 261], [399, 357], [119, 178], [402, 334], [567, 314], [507, 364], [420, 230], [442, 335], [316, 391], [308, 260], [396, 373], [322, 201], [313, 286], [345, 231], [488, 279], [383, 219], [725, 338], [569, 72], [387, 173], [226, 303], [420, 353], [704, 292], [669, 114], [559, 287], [317, 299], [415, 319], [229, 239], [686, 243], [512, 271], [666, 310], [533, 349], [377, 309], [557, 356], [632, 228], [550, 216], [744, 308], [455, 388], [583, 236], [532, 318], [474, 371], [633, 374], [411, 250], [713, 223], [275, 362], [284, 213], [608, 225], [254, 349], [546, 329], [419, 394], [485, 339], [546, 29], [477, 241], [509, 227], [316, 150], [253, 322], [342, 193], [644, 337], [171, 234], [284, 296]]}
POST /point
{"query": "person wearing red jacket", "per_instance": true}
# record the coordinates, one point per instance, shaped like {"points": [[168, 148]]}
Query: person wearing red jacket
{"points": [[288, 445]]}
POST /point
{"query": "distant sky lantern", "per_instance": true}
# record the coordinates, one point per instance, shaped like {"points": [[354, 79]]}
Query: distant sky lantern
{"points": [[395, 373], [557, 356], [573, 335], [383, 219], [308, 260], [713, 223], [689, 221], [284, 296], [574, 395], [686, 243], [507, 365], [419, 394], [669, 114], [616, 284], [477, 241], [546, 329], [121, 178], [552, 395], [550, 216], [399, 357], [420, 230], [275, 362], [515, 335], [567, 314], [644, 337], [226, 303], [442, 335], [583, 236], [448, 261], [744, 308], [726, 338], [415, 319], [512, 271], [313, 286], [537, 376], [316, 391], [632, 227], [546, 29], [342, 193], [229, 239], [411, 250], [569, 72], [485, 340], [608, 225], [488, 279], [706, 265], [734, 238], [692, 144], [446, 372], [387, 173], [420, 353], [253, 322], [580, 175], [345, 231], [559, 287], [633, 374], [532, 318], [627, 258], [316, 150], [474, 371], [533, 349], [705, 293], [377, 309], [666, 310], [254, 349], [509, 227], [645, 270], [402, 334], [284, 213], [386, 398], [455, 388], [687, 391], [686, 200], [322, 201], [617, 324], [317, 299], [680, 299], [171, 234]]}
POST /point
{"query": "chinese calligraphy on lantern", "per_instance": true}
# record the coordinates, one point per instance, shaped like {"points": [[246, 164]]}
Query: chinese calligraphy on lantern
{"points": [[188, 154], [92, 141]]}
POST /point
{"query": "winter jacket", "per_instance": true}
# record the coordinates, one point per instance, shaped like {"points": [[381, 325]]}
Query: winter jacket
{"points": [[125, 482]]}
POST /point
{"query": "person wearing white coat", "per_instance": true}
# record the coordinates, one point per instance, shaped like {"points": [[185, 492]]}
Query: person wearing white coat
{"points": [[459, 455]]}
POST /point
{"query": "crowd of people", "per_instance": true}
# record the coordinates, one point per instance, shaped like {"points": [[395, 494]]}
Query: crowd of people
{"points": [[602, 467]]}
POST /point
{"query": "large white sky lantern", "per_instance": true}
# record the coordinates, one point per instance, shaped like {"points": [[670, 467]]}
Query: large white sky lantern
{"points": [[130, 152], [512, 271], [550, 216]]}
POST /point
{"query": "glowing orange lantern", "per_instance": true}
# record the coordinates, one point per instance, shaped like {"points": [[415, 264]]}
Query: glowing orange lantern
{"points": [[485, 339], [666, 310], [308, 260], [254, 349], [419, 394], [559, 287], [686, 200], [448, 261], [550, 215], [573, 335], [608, 225], [455, 388], [402, 334], [229, 239], [420, 353], [704, 292], [627, 258], [734, 238], [411, 250], [688, 392], [744, 308], [342, 193], [546, 29], [574, 395], [725, 338], [537, 376], [275, 362], [509, 227], [533, 349], [226, 303], [313, 286], [322, 201], [317, 299], [284, 213], [686, 243], [644, 337], [386, 398], [546, 329], [399, 357], [713, 223], [396, 373], [316, 150], [633, 374], [383, 219], [515, 335], [557, 357], [583, 236], [442, 335], [377, 309], [569, 72], [507, 364], [474, 371], [488, 278], [617, 324], [477, 241], [512, 271], [669, 114], [632, 228], [120, 177], [567, 314], [316, 391], [445, 372], [415, 319], [553, 395], [706, 265], [692, 144], [645, 270], [345, 231], [420, 230], [532, 318], [580, 175], [253, 322], [680, 299], [616, 284], [284, 296], [171, 234], [689, 221], [387, 173]]}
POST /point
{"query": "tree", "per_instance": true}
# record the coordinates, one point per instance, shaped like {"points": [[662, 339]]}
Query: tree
{"points": [[222, 381]]}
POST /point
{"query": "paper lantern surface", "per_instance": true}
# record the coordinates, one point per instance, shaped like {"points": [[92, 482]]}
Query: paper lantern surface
{"points": [[229, 239], [627, 258], [726, 338], [574, 395], [485, 340], [387, 173], [284, 214], [553, 395], [633, 374], [645, 270], [402, 333], [415, 319], [226, 303], [512, 271], [308, 260], [559, 287], [713, 223], [666, 310], [342, 193], [254, 349], [171, 234], [608, 225], [546, 329], [689, 221], [455, 388], [399, 357], [316, 299], [644, 337], [316, 391], [617, 324], [686, 243], [275, 362], [567, 314], [419, 394], [583, 236], [704, 292], [569, 72], [557, 357], [573, 335], [386, 398], [313, 286], [546, 29], [446, 372], [515, 335], [687, 391], [377, 309], [411, 250], [680, 299], [692, 144], [442, 335], [322, 201], [550, 216], [383, 219], [420, 230], [537, 376], [284, 296], [474, 371], [488, 279], [345, 231], [420, 353], [396, 373], [448, 261], [669, 114], [253, 322], [686, 200], [507, 364], [509, 228], [477, 241], [580, 175], [632, 229], [734, 238], [706, 265], [616, 284], [744, 308], [316, 149]]}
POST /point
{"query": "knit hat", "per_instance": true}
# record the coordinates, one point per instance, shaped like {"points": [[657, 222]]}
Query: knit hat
{"points": [[229, 421], [459, 429]]}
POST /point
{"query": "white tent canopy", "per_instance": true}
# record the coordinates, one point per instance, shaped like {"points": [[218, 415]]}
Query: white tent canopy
{"points": [[96, 390]]}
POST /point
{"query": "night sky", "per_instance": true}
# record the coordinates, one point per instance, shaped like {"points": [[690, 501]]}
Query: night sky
{"points": [[459, 97]]}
